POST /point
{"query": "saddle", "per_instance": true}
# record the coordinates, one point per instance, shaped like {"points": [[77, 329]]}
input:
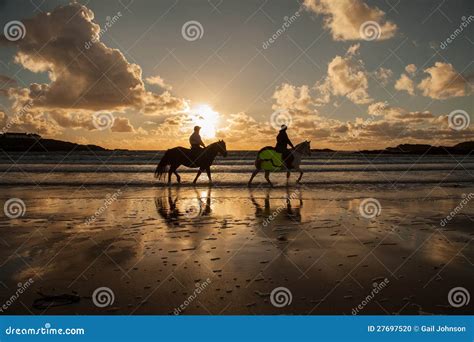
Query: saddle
{"points": [[194, 154], [270, 160]]}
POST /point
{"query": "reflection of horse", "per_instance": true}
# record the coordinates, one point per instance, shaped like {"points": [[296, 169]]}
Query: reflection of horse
{"points": [[284, 215], [172, 210], [300, 150], [203, 159], [168, 210]]}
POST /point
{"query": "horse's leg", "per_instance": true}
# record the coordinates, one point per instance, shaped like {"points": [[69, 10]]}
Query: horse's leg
{"points": [[253, 176], [267, 177], [208, 171], [197, 176], [172, 170], [287, 177], [178, 177], [301, 175]]}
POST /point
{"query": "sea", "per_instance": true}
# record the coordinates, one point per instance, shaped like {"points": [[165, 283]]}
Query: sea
{"points": [[136, 168]]}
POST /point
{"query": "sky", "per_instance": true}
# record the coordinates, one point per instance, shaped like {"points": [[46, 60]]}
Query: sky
{"points": [[136, 74]]}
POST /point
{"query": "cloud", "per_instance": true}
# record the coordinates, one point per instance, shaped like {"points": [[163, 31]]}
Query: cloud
{"points": [[244, 132], [383, 75], [122, 125], [405, 83], [353, 50], [345, 17], [291, 97], [443, 82], [377, 108], [157, 80], [347, 77], [94, 78], [71, 120], [411, 69], [6, 82], [3, 118], [32, 122]]}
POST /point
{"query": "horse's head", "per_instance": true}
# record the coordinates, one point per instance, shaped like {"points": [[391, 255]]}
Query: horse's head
{"points": [[306, 148], [221, 148]]}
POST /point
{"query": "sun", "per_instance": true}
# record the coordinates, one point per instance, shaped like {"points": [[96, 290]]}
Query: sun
{"points": [[205, 117]]}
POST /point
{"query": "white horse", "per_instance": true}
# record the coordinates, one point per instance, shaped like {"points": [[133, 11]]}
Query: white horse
{"points": [[300, 150]]}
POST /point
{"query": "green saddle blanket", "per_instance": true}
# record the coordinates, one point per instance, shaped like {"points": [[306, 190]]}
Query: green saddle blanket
{"points": [[270, 160]]}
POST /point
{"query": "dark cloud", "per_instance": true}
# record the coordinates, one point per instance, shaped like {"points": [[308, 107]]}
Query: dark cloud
{"points": [[84, 72]]}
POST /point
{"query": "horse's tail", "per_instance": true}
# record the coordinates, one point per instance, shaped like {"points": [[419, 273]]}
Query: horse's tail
{"points": [[162, 167]]}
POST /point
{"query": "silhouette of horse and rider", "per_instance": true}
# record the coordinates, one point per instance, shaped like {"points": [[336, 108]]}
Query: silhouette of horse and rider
{"points": [[269, 159]]}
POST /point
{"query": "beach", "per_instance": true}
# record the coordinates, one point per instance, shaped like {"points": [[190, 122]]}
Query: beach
{"points": [[335, 248]]}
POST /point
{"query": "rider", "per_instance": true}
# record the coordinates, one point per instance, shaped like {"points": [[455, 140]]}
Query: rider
{"points": [[281, 146], [195, 140]]}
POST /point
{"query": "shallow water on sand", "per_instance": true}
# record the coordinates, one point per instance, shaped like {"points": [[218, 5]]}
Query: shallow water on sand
{"points": [[151, 246]]}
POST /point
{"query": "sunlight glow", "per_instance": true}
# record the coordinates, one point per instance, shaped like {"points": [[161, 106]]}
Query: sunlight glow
{"points": [[205, 117]]}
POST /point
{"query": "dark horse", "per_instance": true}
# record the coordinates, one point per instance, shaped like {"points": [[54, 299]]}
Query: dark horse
{"points": [[175, 157]]}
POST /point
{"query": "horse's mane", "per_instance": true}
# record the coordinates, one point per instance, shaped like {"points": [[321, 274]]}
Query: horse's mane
{"points": [[301, 143]]}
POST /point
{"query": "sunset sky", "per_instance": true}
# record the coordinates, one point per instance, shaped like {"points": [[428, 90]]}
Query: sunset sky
{"points": [[160, 67]]}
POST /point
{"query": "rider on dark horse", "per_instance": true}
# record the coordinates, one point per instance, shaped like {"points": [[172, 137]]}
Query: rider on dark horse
{"points": [[196, 142], [281, 146]]}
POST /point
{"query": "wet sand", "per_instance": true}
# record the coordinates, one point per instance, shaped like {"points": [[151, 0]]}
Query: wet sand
{"points": [[153, 247]]}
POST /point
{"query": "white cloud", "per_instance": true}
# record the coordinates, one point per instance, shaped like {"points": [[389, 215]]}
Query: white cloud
{"points": [[347, 77], [443, 82], [405, 83], [157, 80], [411, 69], [345, 17]]}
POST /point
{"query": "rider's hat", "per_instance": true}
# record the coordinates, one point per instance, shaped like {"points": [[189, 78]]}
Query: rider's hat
{"points": [[196, 128], [283, 127]]}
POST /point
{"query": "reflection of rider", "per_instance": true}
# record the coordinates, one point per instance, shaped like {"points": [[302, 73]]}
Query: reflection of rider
{"points": [[281, 146], [195, 140]]}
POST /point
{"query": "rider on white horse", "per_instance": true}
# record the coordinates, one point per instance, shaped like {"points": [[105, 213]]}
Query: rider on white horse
{"points": [[281, 146]]}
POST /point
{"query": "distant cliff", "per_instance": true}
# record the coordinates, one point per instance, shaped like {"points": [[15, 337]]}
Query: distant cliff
{"points": [[462, 148], [22, 142]]}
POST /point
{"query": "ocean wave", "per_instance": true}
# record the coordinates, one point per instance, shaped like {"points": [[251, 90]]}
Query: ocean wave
{"points": [[228, 184], [308, 168]]}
